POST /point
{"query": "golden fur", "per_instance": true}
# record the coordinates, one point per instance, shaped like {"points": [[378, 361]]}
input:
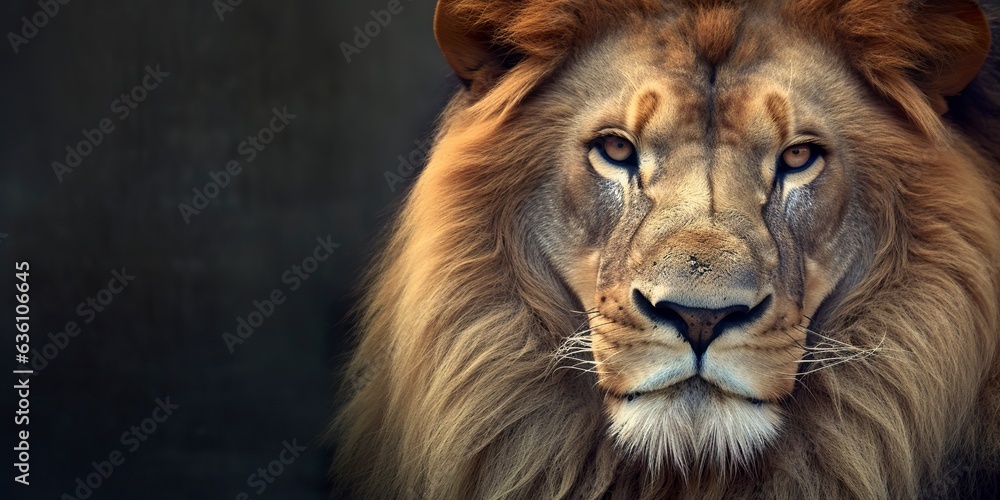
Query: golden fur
{"points": [[455, 389]]}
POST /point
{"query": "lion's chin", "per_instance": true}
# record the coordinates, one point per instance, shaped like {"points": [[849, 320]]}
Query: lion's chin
{"points": [[692, 425]]}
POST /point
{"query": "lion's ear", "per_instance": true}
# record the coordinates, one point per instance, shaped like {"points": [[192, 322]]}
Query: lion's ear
{"points": [[914, 52], [470, 41], [959, 35]]}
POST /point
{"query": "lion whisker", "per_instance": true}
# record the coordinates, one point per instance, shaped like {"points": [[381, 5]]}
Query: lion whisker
{"points": [[576, 368]]}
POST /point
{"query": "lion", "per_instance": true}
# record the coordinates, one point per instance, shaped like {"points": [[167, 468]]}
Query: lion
{"points": [[692, 249]]}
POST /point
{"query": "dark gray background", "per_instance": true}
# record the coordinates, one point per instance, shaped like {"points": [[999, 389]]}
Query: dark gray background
{"points": [[162, 336]]}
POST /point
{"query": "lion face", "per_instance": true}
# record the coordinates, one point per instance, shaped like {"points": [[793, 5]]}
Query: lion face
{"points": [[701, 213], [707, 206]]}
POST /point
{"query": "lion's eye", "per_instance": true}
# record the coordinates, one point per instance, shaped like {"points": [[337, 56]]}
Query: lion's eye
{"points": [[617, 150], [800, 156]]}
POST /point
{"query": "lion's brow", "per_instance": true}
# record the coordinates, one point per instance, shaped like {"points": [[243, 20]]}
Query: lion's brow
{"points": [[644, 106]]}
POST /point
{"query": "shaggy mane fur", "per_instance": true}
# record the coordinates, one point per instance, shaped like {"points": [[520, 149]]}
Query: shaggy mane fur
{"points": [[453, 393]]}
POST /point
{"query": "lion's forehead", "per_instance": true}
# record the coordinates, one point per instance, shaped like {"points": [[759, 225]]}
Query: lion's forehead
{"points": [[719, 80]]}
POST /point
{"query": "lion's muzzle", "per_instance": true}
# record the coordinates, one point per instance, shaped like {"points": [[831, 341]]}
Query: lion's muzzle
{"points": [[699, 326]]}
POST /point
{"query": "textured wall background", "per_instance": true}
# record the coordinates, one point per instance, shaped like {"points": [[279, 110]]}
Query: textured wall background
{"points": [[162, 336]]}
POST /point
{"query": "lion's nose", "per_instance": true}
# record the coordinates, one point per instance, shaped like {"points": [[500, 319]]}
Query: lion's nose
{"points": [[699, 325]]}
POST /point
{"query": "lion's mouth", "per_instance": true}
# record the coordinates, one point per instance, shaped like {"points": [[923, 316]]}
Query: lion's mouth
{"points": [[692, 422], [691, 388]]}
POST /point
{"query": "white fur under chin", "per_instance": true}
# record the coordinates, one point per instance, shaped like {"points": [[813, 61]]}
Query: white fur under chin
{"points": [[693, 428]]}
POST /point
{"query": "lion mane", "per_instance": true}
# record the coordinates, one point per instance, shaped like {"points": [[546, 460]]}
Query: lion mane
{"points": [[452, 391]]}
